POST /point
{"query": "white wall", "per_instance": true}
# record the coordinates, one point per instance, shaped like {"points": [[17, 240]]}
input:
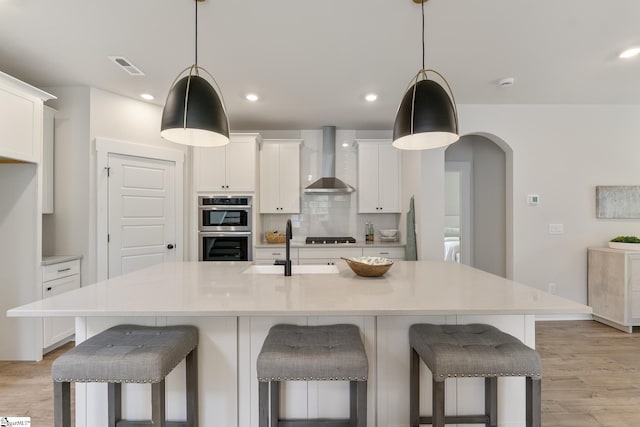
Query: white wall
{"points": [[19, 280], [65, 231], [84, 114], [561, 152]]}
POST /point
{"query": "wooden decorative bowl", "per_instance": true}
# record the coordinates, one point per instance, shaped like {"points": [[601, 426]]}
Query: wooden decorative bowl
{"points": [[368, 269]]}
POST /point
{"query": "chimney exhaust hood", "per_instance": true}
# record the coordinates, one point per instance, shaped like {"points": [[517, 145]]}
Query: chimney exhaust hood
{"points": [[329, 184]]}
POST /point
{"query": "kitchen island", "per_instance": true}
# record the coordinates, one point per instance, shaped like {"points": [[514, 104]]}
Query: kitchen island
{"points": [[234, 310]]}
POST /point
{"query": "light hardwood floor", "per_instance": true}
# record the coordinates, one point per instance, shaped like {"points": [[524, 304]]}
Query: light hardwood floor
{"points": [[591, 377], [26, 389]]}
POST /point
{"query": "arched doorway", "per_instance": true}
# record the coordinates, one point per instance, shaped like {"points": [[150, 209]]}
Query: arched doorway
{"points": [[479, 202]]}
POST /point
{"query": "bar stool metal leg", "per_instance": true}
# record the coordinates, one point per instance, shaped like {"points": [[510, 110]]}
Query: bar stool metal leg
{"points": [[362, 403], [414, 389], [62, 404], [263, 404], [534, 402], [275, 403], [491, 401], [114, 403], [158, 404], [438, 404], [192, 388]]}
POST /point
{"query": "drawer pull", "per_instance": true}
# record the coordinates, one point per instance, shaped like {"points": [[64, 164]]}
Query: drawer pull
{"points": [[384, 253], [64, 269], [49, 288], [275, 253]]}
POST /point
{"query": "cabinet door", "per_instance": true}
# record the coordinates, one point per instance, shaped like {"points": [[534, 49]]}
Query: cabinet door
{"points": [[269, 178], [58, 328], [19, 126], [368, 177], [210, 166], [388, 178], [47, 160], [289, 177], [241, 161]]}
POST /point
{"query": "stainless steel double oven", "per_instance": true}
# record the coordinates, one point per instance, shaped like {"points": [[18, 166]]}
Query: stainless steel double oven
{"points": [[225, 228]]}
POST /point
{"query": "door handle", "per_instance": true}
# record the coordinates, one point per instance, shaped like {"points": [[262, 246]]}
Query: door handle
{"points": [[170, 246]]}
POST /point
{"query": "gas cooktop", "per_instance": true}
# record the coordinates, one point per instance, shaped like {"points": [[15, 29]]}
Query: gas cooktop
{"points": [[328, 240]]}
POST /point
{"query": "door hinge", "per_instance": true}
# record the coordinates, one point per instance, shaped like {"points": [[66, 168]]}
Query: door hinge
{"points": [[108, 238], [108, 169]]}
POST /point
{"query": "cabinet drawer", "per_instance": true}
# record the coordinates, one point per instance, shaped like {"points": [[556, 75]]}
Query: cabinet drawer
{"points": [[391, 252], [60, 286], [330, 253], [274, 253], [61, 269]]}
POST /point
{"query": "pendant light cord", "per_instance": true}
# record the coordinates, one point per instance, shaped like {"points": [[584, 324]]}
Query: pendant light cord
{"points": [[196, 26], [423, 50]]}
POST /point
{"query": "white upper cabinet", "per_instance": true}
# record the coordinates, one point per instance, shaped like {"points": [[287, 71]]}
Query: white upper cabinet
{"points": [[280, 176], [378, 176], [20, 120], [230, 168]]}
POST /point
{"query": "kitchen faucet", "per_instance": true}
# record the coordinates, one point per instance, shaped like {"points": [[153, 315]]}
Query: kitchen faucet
{"points": [[287, 242]]}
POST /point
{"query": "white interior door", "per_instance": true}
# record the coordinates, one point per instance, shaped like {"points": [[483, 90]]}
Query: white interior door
{"points": [[141, 212]]}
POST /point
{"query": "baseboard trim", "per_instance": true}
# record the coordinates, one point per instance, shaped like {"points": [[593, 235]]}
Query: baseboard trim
{"points": [[554, 317]]}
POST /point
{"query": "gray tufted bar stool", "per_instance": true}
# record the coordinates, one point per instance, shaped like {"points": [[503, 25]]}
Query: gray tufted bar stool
{"points": [[312, 353], [129, 354], [470, 351]]}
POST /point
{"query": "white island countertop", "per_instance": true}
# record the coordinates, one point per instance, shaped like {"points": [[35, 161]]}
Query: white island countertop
{"points": [[221, 289]]}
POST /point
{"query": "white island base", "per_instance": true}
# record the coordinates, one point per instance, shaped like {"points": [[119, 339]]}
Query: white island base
{"points": [[228, 387], [234, 311]]}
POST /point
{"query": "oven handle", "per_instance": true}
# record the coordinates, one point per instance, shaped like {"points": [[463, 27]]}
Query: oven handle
{"points": [[225, 208], [224, 233]]}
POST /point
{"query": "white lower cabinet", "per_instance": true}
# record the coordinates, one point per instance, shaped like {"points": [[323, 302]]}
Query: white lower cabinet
{"points": [[57, 279], [326, 255], [269, 255], [392, 252]]}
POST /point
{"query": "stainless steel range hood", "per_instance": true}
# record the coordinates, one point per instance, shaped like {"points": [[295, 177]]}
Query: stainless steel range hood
{"points": [[329, 183]]}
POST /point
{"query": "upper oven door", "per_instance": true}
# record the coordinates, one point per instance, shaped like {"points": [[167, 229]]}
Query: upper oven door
{"points": [[224, 218]]}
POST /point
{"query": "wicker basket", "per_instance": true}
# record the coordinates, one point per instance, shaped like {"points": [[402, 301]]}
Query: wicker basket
{"points": [[368, 270], [275, 237]]}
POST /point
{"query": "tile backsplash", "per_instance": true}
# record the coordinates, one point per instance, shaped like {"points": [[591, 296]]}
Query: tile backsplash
{"points": [[329, 215]]}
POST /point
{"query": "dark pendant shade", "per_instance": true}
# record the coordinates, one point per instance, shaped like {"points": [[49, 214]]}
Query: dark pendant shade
{"points": [[426, 118], [204, 123]]}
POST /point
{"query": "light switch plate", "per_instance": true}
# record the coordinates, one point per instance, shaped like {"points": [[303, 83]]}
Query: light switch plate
{"points": [[556, 228], [533, 199]]}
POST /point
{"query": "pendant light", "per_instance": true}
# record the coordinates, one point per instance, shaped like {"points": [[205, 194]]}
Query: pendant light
{"points": [[194, 113], [426, 118]]}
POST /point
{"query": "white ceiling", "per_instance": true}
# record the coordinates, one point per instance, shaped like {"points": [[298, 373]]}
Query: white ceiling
{"points": [[312, 62]]}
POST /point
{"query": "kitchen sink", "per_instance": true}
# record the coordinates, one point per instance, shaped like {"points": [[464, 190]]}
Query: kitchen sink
{"points": [[295, 269]]}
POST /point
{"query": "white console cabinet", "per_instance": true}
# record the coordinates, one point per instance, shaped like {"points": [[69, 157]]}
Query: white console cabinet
{"points": [[59, 275], [614, 287]]}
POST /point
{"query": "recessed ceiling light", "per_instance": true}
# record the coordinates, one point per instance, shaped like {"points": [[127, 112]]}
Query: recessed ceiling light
{"points": [[252, 97], [147, 96], [630, 53], [370, 97]]}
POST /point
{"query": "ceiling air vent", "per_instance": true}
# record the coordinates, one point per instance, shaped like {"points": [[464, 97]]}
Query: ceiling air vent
{"points": [[124, 63]]}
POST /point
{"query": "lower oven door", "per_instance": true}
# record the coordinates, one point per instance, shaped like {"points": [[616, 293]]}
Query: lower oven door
{"points": [[225, 246]]}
